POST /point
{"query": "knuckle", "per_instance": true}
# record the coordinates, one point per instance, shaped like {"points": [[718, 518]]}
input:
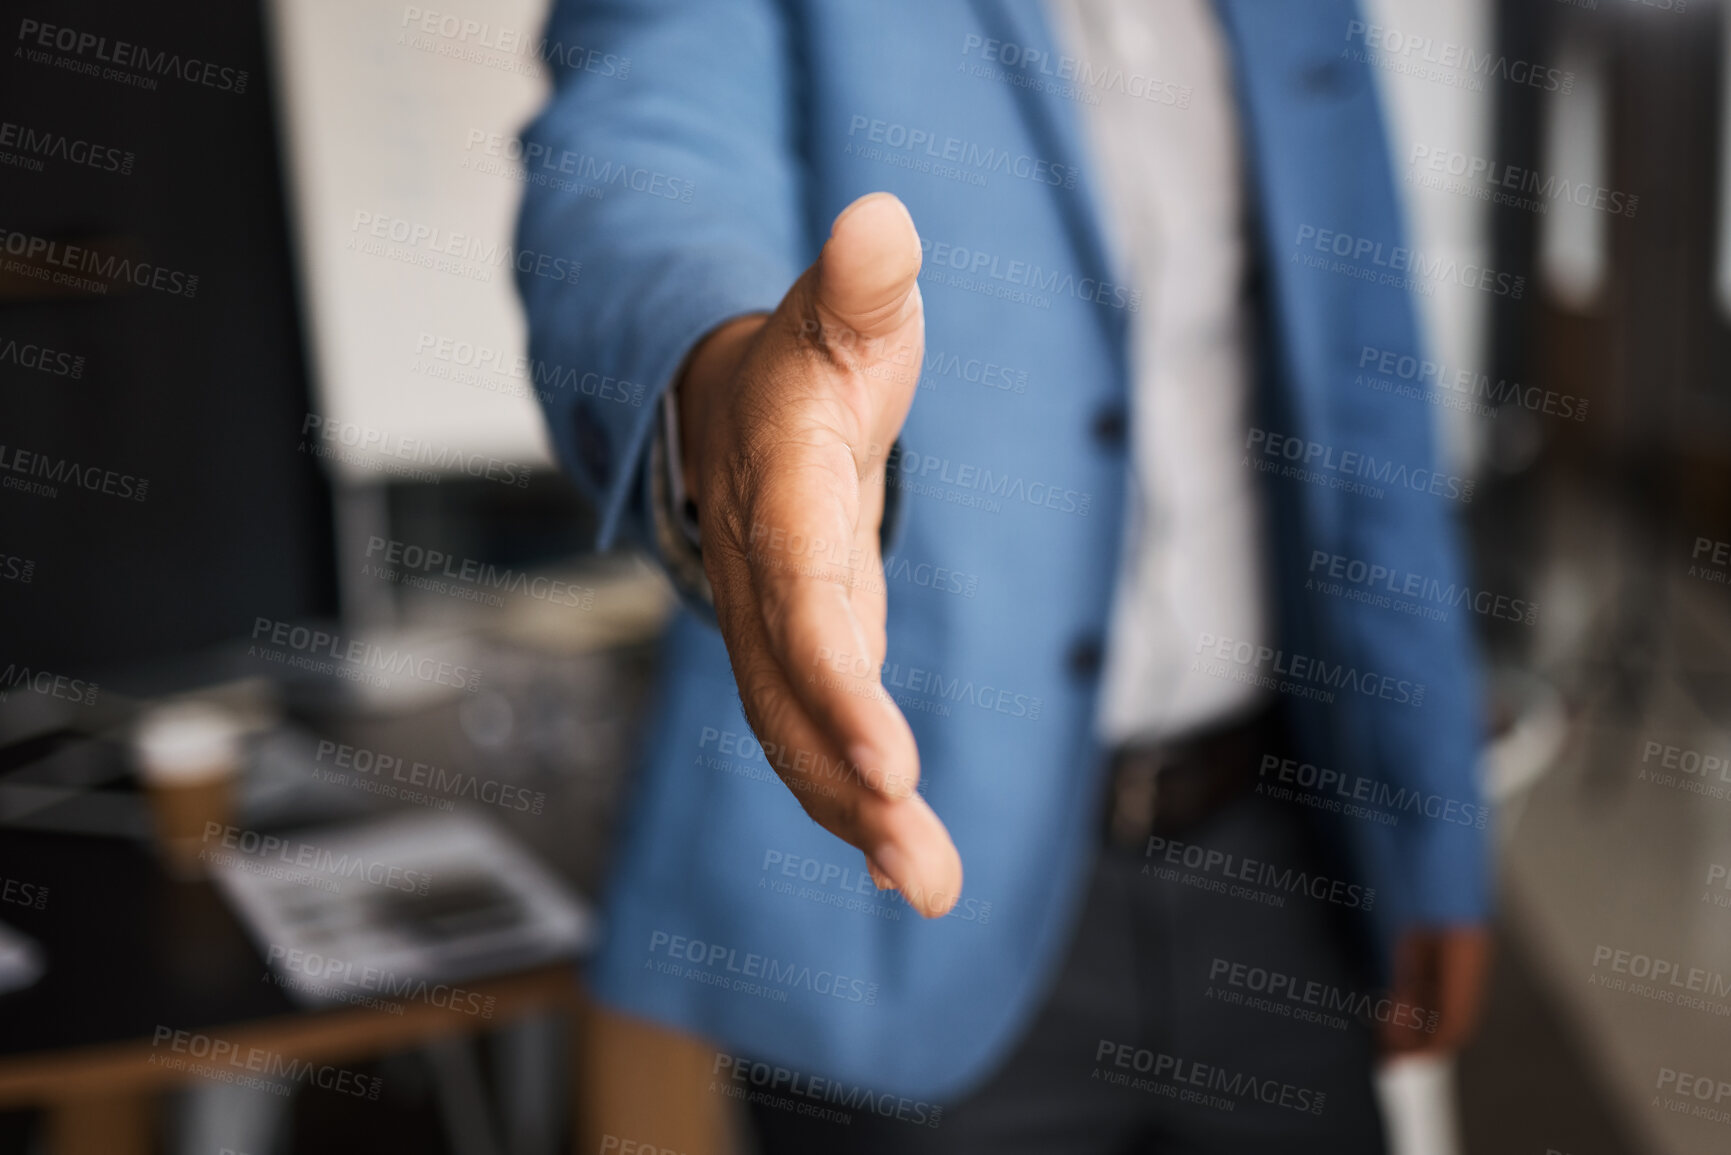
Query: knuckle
{"points": [[766, 706], [845, 818]]}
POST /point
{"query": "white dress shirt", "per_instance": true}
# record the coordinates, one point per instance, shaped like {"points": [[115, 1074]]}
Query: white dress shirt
{"points": [[1154, 81]]}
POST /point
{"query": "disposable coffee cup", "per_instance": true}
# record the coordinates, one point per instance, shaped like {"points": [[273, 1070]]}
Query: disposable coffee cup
{"points": [[188, 756]]}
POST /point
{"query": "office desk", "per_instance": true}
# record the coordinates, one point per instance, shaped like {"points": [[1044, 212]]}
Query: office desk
{"points": [[131, 952]]}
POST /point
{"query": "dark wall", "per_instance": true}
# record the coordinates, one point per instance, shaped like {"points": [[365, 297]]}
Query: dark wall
{"points": [[200, 394]]}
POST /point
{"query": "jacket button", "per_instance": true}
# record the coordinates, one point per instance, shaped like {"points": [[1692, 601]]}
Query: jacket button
{"points": [[1085, 658], [594, 452], [1111, 426]]}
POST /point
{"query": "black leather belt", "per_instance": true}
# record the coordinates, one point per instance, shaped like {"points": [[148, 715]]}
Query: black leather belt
{"points": [[1170, 788]]}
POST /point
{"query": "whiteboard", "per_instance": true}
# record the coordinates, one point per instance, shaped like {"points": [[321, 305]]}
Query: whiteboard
{"points": [[402, 224]]}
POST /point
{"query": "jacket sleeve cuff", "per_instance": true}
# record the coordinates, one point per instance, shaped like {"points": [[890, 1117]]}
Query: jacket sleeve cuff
{"points": [[674, 535], [673, 517]]}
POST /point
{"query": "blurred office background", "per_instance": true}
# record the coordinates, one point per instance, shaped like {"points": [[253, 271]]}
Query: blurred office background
{"points": [[341, 449]]}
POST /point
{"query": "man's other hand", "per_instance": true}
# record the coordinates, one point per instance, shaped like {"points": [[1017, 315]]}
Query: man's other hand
{"points": [[1441, 970]]}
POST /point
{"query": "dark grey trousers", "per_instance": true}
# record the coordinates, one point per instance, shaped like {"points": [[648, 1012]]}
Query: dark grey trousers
{"points": [[1208, 1008]]}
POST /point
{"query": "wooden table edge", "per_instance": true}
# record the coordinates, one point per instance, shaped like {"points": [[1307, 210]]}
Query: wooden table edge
{"points": [[314, 1036]]}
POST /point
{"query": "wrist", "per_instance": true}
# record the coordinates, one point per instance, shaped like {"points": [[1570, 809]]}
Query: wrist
{"points": [[708, 376]]}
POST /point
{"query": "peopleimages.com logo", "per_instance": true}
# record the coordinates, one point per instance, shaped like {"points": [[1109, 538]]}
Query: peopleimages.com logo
{"points": [[33, 463], [1275, 882], [42, 359], [306, 647], [1190, 1081], [1446, 61], [1321, 461], [226, 1061], [87, 53], [1358, 796], [26, 146], [89, 268], [748, 972], [78, 691], [814, 1096], [1390, 587], [366, 443], [1369, 259]]}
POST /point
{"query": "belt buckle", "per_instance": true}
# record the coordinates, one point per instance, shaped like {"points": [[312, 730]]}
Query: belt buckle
{"points": [[1135, 796]]}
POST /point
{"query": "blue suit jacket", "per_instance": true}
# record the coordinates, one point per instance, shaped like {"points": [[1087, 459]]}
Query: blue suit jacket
{"points": [[692, 158]]}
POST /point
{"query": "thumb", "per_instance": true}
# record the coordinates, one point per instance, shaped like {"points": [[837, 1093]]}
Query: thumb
{"points": [[867, 276]]}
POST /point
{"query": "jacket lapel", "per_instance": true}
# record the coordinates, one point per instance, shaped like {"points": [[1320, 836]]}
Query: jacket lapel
{"points": [[1055, 125]]}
